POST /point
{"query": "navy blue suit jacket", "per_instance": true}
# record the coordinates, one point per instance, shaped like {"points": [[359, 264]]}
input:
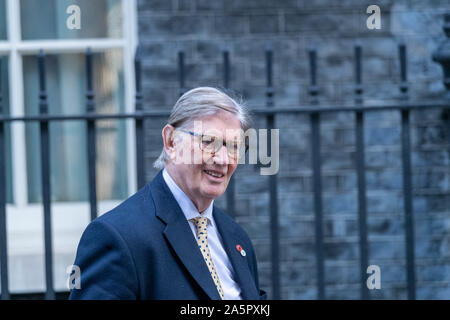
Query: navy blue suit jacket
{"points": [[145, 249]]}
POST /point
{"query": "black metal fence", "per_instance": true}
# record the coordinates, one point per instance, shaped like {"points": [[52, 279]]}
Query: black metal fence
{"points": [[404, 107]]}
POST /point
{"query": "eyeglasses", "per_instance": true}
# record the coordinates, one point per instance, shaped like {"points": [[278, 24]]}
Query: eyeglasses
{"points": [[213, 144]]}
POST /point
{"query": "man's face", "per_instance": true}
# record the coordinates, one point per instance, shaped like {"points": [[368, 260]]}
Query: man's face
{"points": [[206, 176]]}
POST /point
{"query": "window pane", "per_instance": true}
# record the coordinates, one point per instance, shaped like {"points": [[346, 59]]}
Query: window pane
{"points": [[2, 20], [66, 95], [48, 19], [4, 93]]}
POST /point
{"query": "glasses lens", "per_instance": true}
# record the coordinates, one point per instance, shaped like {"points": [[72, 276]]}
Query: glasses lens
{"points": [[236, 148], [208, 143], [213, 144]]}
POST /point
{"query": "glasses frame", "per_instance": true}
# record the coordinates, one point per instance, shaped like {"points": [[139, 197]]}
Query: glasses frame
{"points": [[224, 142]]}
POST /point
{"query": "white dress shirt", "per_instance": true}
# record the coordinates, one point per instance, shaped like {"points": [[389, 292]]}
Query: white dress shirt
{"points": [[223, 266]]}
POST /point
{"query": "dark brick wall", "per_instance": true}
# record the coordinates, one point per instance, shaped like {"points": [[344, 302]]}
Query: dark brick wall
{"points": [[203, 28]]}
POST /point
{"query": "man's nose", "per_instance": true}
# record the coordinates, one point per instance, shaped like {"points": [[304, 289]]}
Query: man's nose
{"points": [[221, 156]]}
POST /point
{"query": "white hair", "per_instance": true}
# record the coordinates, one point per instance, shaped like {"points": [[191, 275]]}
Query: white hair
{"points": [[199, 102]]}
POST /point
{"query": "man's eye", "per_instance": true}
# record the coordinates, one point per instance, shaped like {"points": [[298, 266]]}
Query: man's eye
{"points": [[208, 141]]}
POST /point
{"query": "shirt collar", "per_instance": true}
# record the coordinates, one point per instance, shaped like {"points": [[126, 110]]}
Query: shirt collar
{"points": [[185, 203]]}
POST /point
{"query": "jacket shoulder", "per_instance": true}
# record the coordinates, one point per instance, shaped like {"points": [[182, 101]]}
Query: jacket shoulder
{"points": [[131, 211]]}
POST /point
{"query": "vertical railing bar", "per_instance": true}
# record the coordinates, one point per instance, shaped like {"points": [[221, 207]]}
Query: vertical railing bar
{"points": [[358, 72], [317, 175], [317, 187], [403, 71], [91, 143], [139, 121], [45, 171], [313, 88], [407, 182], [181, 71], [360, 170], [440, 55], [231, 208], [3, 231], [226, 68], [269, 75], [273, 182], [362, 204], [447, 110]]}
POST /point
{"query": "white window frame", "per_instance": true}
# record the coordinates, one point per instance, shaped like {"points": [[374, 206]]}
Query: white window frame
{"points": [[24, 219]]}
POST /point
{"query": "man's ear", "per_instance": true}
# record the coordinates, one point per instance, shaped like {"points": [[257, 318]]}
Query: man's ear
{"points": [[168, 135]]}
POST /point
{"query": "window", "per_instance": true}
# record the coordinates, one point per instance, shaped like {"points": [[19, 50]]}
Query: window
{"points": [[2, 20], [66, 78], [4, 89], [99, 19], [42, 24], [108, 27]]}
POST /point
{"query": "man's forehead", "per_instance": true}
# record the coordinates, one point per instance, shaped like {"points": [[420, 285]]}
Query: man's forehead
{"points": [[220, 117], [216, 128], [222, 132]]}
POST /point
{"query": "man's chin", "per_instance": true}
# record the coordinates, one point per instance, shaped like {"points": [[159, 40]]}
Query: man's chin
{"points": [[213, 192]]}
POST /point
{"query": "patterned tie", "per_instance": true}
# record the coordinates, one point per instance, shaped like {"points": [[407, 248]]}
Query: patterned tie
{"points": [[202, 241]]}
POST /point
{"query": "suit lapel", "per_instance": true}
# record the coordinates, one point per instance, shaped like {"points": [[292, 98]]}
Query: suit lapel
{"points": [[182, 241], [180, 237], [240, 264]]}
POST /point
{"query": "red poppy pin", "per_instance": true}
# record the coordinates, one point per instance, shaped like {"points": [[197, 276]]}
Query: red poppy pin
{"points": [[242, 251]]}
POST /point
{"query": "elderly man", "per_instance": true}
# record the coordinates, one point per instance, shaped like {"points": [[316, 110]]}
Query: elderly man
{"points": [[168, 241]]}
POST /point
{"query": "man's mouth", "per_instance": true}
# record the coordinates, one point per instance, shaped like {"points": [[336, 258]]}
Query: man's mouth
{"points": [[214, 173]]}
